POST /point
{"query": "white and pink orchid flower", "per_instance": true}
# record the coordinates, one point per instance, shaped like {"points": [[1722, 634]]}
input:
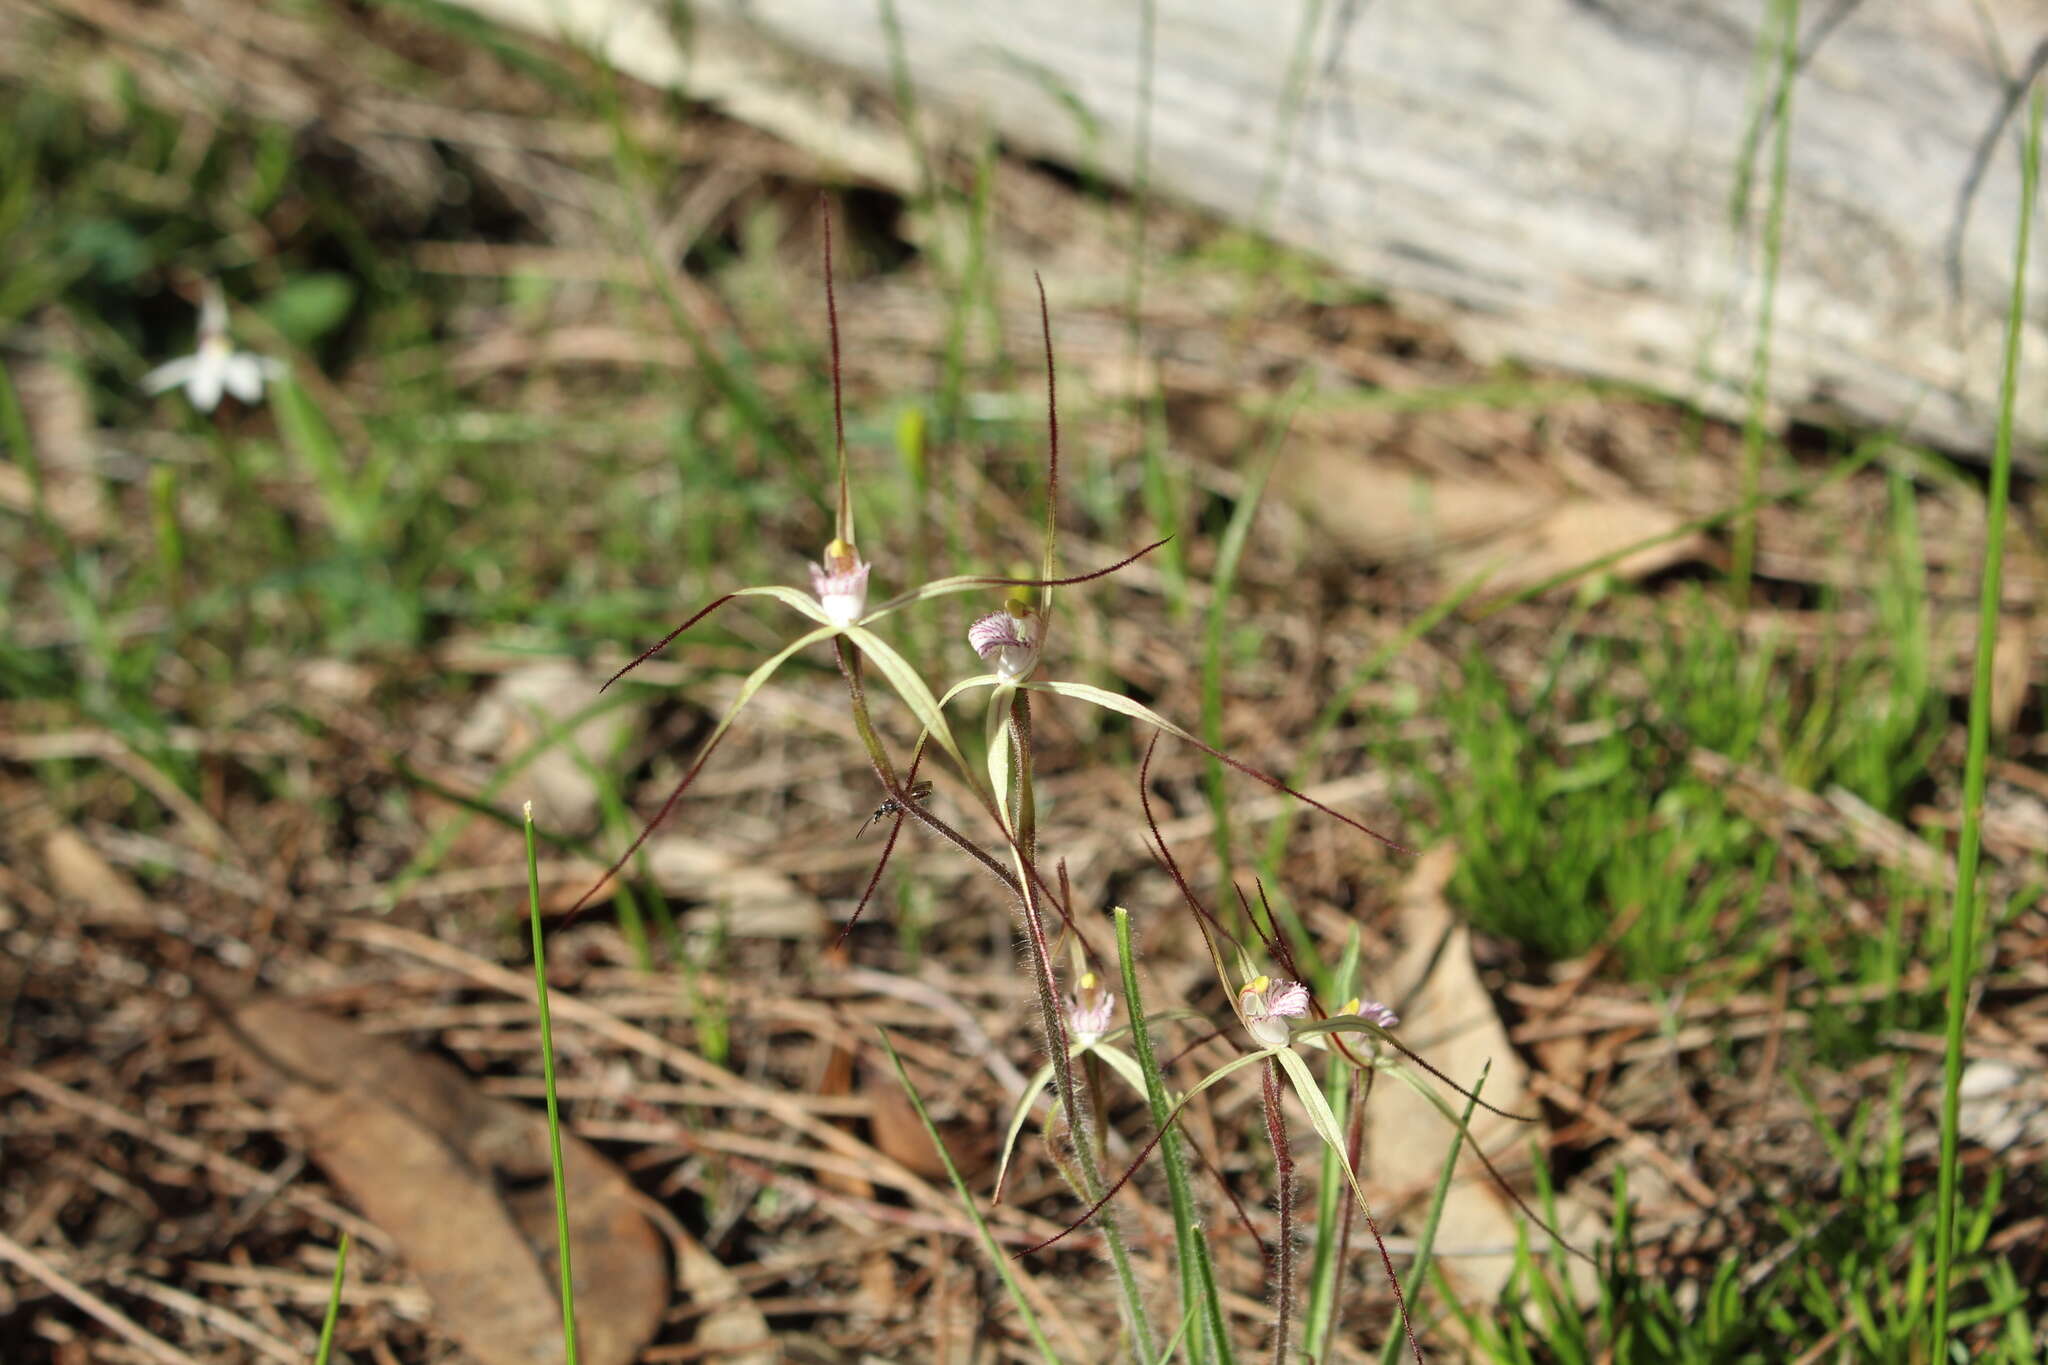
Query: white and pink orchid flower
{"points": [[1092, 1008], [1010, 640], [1266, 1005], [840, 583]]}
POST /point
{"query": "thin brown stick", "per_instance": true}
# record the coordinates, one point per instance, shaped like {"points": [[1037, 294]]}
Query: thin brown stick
{"points": [[91, 1304]]}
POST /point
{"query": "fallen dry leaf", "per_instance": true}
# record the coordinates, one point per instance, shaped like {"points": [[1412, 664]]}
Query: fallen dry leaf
{"points": [[78, 873], [1517, 535], [733, 888], [460, 1181], [2012, 672], [522, 708], [900, 1135], [1449, 1017]]}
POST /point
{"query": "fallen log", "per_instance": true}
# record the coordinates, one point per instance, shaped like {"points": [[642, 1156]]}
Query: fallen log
{"points": [[1576, 183]]}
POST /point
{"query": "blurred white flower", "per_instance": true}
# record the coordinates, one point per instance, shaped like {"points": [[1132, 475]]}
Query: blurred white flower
{"points": [[215, 366]]}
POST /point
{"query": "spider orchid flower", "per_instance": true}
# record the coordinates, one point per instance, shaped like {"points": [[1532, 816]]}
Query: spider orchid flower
{"points": [[215, 366], [1266, 1005], [838, 611], [1091, 1009], [840, 583], [1010, 640], [1372, 1011], [1089, 1012], [1342, 1019]]}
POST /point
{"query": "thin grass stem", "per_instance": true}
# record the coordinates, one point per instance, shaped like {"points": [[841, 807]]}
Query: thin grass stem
{"points": [[333, 1314], [1229, 553], [547, 1067], [1425, 1240], [1787, 13], [1965, 911], [1004, 1271], [1198, 1272]]}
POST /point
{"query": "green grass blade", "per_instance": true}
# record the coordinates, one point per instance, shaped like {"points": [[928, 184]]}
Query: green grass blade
{"points": [[547, 1066], [988, 1241], [1964, 911], [1426, 1239], [14, 430], [307, 432], [326, 1346], [1229, 552], [1198, 1273], [1787, 14]]}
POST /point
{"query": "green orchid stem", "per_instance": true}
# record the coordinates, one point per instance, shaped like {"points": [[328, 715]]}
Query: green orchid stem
{"points": [[1425, 1242], [1283, 1179], [1198, 1274]]}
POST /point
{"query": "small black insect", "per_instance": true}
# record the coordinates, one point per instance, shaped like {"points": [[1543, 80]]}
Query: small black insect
{"points": [[919, 791]]}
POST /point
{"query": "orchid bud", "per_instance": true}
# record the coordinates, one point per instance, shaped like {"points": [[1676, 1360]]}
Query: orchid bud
{"points": [[1267, 1005], [840, 583]]}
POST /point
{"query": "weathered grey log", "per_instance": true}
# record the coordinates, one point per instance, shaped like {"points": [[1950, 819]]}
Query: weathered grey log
{"points": [[1551, 178]]}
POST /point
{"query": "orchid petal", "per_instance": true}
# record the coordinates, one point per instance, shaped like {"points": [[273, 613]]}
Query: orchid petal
{"points": [[242, 377], [204, 387], [170, 374], [979, 680], [941, 587], [1343, 1023], [996, 735], [1017, 1121], [1230, 1067], [795, 598], [1319, 1116], [1122, 705], [1123, 1064]]}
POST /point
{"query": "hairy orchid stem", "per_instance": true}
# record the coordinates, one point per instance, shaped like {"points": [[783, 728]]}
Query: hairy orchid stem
{"points": [[1080, 1116], [1283, 1177]]}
